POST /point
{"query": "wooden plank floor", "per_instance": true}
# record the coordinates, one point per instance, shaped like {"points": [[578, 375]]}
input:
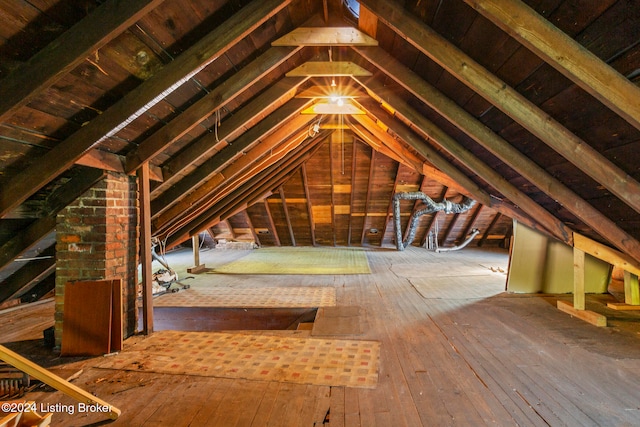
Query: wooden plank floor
{"points": [[448, 360]]}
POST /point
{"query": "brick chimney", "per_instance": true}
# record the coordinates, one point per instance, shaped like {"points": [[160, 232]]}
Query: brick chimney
{"points": [[97, 238]]}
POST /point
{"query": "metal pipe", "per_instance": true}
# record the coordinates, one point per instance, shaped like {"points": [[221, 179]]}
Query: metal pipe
{"points": [[446, 205]]}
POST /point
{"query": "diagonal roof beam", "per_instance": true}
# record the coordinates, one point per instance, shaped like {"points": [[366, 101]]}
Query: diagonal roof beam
{"points": [[507, 99], [565, 55], [201, 197], [373, 135], [67, 51], [240, 145], [139, 100], [260, 184], [553, 225], [206, 106], [411, 139], [504, 151], [82, 180], [278, 94]]}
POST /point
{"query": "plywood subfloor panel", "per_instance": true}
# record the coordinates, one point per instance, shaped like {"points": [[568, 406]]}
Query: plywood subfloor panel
{"points": [[251, 297]]}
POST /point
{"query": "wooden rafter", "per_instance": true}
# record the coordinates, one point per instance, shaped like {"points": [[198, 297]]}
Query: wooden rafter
{"points": [[231, 130], [552, 224], [23, 279], [503, 150], [233, 175], [169, 78], [207, 169], [368, 198], [68, 51], [508, 100], [564, 54], [246, 194], [203, 108]]}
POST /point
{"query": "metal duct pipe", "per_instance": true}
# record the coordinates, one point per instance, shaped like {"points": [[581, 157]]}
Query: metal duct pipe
{"points": [[432, 206], [473, 234]]}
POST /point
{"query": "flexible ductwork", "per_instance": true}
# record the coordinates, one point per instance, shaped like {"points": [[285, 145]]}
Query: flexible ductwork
{"points": [[431, 206], [472, 236]]}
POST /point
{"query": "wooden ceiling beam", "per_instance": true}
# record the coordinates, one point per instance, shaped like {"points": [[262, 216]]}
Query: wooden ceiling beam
{"points": [[214, 100], [20, 187], [67, 51], [509, 101], [564, 54], [504, 151], [100, 159], [325, 36]]}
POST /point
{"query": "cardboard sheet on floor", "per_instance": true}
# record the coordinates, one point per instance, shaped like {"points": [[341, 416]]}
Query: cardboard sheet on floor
{"points": [[335, 321], [92, 318]]}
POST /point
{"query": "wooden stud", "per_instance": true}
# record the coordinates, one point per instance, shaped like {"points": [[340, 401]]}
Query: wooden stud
{"points": [[307, 195], [272, 224], [368, 198], [578, 279], [56, 382], [631, 289], [286, 215]]}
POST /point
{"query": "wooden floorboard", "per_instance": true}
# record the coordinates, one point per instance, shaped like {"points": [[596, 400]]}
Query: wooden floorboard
{"points": [[447, 358]]}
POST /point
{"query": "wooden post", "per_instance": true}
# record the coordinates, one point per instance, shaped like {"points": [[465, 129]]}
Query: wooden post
{"points": [[144, 195], [197, 267], [631, 289], [578, 279]]}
